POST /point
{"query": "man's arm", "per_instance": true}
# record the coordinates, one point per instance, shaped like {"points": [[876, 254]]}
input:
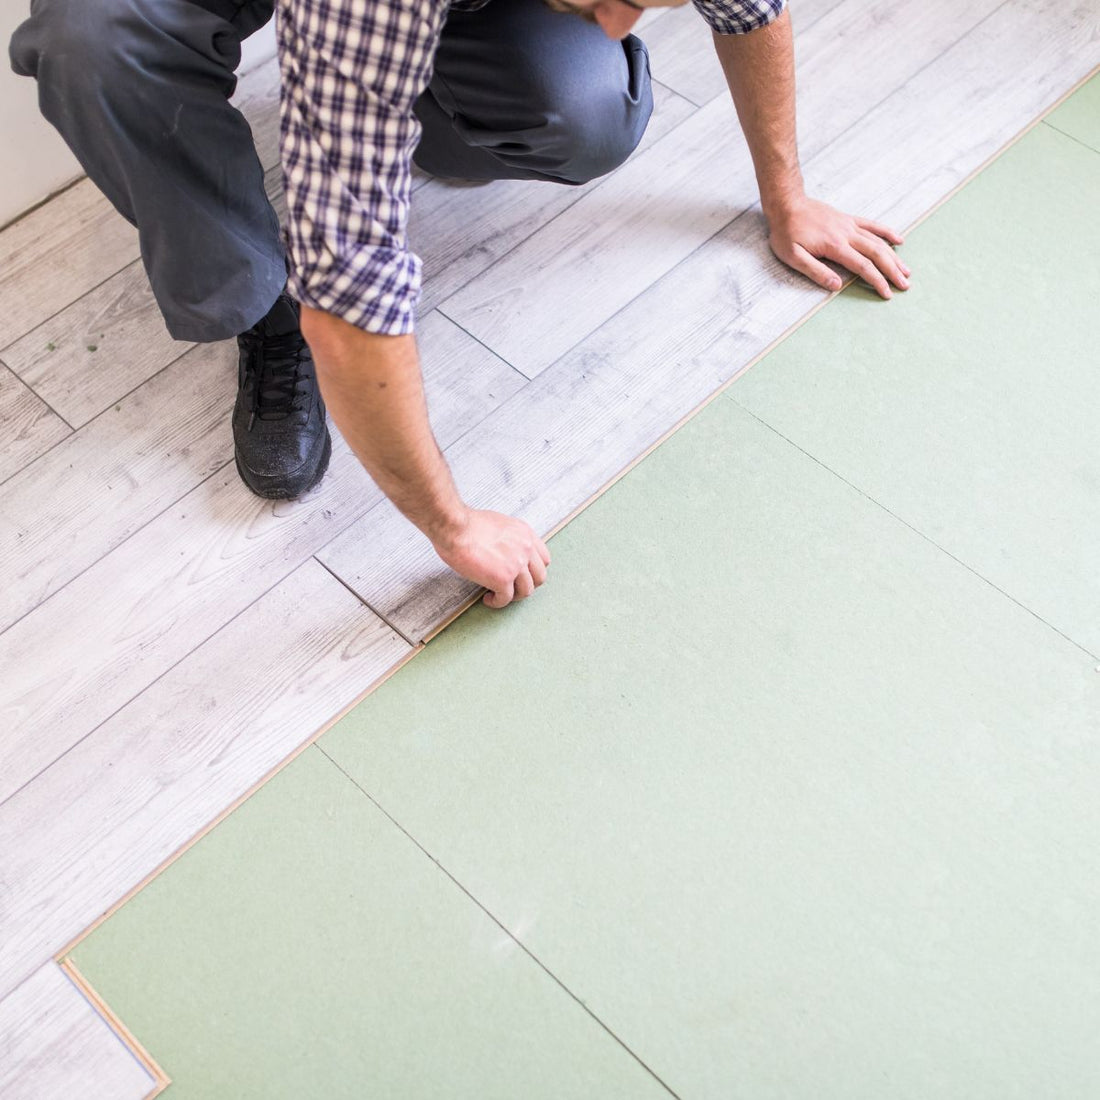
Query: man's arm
{"points": [[373, 389], [351, 75], [759, 69]]}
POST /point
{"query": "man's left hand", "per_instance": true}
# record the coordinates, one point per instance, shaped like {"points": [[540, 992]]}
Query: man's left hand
{"points": [[806, 231]]}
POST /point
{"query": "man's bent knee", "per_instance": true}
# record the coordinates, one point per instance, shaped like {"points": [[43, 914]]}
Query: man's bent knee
{"points": [[598, 124]]}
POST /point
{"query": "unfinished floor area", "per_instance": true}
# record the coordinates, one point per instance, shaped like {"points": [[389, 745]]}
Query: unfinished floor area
{"points": [[168, 640]]}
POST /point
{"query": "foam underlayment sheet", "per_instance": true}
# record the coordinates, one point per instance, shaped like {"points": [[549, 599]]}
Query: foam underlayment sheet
{"points": [[784, 793]]}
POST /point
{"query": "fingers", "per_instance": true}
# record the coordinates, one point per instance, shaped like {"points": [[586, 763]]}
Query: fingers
{"points": [[813, 268], [538, 571], [883, 231], [863, 267], [883, 258], [502, 597]]}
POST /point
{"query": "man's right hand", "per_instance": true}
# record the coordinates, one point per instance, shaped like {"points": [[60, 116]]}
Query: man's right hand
{"points": [[498, 552]]}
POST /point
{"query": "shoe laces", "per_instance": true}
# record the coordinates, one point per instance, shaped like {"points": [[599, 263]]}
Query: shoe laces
{"points": [[277, 370]]}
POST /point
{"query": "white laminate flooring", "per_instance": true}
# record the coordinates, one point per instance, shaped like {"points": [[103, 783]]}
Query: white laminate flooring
{"points": [[166, 639]]}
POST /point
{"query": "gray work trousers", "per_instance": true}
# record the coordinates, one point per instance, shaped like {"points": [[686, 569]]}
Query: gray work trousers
{"points": [[518, 92]]}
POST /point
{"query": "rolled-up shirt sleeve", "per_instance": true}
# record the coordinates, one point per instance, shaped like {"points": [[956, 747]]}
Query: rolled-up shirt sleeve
{"points": [[739, 16], [351, 72]]}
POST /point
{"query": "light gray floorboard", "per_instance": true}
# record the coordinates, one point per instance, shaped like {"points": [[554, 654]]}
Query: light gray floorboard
{"points": [[101, 484], [576, 272], [85, 358], [28, 426], [170, 762], [55, 1046], [681, 52], [593, 411], [104, 637], [57, 253], [459, 231]]}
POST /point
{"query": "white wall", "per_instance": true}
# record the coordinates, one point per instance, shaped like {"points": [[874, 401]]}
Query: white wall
{"points": [[34, 161]]}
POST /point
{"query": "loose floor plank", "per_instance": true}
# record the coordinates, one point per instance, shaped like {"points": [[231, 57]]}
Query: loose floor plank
{"points": [[101, 819], [587, 417], [103, 483], [458, 231], [54, 1045], [57, 253], [28, 426], [571, 276], [104, 637]]}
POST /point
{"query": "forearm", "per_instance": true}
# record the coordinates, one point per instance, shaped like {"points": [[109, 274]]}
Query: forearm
{"points": [[759, 69], [373, 388]]}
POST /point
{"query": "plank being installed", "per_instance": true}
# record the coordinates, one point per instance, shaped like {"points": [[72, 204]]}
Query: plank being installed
{"points": [[596, 409], [580, 269], [28, 426], [100, 640], [55, 1046], [90, 828]]}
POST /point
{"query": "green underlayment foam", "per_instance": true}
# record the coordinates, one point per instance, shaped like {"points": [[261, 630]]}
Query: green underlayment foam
{"points": [[793, 801]]}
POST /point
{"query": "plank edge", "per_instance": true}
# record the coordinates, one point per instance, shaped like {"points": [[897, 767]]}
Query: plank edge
{"points": [[126, 1037]]}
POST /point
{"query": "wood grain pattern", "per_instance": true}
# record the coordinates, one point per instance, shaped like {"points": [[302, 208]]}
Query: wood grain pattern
{"points": [[585, 419], [28, 426], [90, 355], [53, 1044], [681, 52], [459, 231], [100, 640], [576, 272], [57, 253], [103, 483], [107, 814]]}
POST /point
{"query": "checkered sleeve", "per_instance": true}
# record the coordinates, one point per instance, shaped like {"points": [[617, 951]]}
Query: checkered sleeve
{"points": [[739, 16], [351, 71]]}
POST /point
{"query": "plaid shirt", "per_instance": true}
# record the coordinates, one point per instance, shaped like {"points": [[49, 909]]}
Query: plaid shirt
{"points": [[351, 71]]}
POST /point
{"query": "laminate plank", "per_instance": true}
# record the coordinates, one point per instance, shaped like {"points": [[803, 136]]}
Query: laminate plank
{"points": [[28, 426], [460, 230], [55, 1045], [107, 343], [600, 406], [57, 253], [573, 274], [110, 632], [90, 828], [103, 483], [681, 51]]}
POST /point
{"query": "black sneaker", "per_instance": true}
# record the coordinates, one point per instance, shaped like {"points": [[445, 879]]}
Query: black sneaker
{"points": [[281, 441]]}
